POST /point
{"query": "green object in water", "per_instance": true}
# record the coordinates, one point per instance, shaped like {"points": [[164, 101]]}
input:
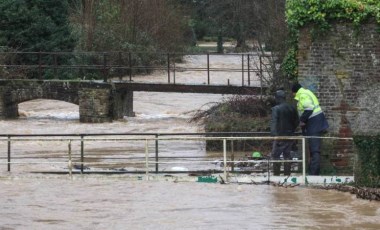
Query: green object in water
{"points": [[207, 179], [256, 154]]}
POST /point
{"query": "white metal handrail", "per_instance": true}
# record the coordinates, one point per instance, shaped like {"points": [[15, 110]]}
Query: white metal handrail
{"points": [[148, 140]]}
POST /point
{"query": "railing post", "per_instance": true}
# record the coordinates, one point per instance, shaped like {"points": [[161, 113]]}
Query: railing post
{"points": [[9, 153], [249, 69], [156, 153], [261, 77], [55, 65], [208, 69], [168, 60], [242, 70], [174, 73], [104, 67], [81, 153], [121, 70], [70, 165], [130, 66], [40, 65], [225, 159], [232, 156], [146, 160], [304, 159]]}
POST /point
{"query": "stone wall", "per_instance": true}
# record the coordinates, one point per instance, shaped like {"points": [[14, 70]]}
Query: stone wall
{"points": [[343, 68], [95, 105]]}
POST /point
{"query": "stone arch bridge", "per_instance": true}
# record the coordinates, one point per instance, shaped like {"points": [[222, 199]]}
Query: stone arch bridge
{"points": [[98, 101]]}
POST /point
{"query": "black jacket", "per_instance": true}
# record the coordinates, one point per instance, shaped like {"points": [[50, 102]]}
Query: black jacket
{"points": [[284, 120]]}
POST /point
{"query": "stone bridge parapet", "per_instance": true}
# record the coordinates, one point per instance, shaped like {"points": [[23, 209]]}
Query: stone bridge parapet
{"points": [[98, 101]]}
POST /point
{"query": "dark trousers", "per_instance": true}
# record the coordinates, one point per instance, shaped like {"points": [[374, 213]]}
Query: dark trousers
{"points": [[284, 147], [315, 154]]}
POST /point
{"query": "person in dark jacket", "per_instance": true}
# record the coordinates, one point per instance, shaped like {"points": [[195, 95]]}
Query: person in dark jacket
{"points": [[284, 122], [313, 123]]}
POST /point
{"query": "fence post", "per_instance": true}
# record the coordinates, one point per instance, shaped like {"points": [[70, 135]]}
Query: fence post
{"points": [[168, 57], [70, 165], [304, 159], [208, 69], [261, 77], [81, 153], [225, 159], [249, 69], [121, 70], [40, 65], [9, 153], [146, 160], [156, 153], [55, 65], [242, 70], [232, 156], [174, 72], [104, 67], [130, 66]]}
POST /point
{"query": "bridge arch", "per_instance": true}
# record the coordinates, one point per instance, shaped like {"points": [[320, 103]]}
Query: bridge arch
{"points": [[47, 108]]}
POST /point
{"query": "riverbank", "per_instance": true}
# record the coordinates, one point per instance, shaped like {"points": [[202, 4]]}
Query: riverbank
{"points": [[362, 193]]}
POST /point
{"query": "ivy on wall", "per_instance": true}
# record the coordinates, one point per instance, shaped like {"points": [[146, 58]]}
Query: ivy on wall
{"points": [[368, 165], [320, 14]]}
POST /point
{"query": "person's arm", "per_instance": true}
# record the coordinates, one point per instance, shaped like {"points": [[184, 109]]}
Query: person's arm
{"points": [[273, 123], [308, 107], [305, 115], [295, 118]]}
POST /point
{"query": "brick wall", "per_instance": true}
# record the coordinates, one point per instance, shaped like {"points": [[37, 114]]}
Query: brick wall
{"points": [[343, 68]]}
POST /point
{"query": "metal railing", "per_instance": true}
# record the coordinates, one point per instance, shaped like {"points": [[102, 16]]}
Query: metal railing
{"points": [[147, 157], [47, 65]]}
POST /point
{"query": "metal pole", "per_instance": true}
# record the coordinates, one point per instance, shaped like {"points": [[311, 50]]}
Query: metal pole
{"points": [[81, 153], [208, 69], [168, 67], [232, 156], [70, 165], [261, 77], [121, 72], [156, 153], [104, 67], [304, 159], [174, 73], [55, 65], [9, 153], [225, 158], [40, 65], [242, 70], [249, 74], [146, 160], [130, 66]]}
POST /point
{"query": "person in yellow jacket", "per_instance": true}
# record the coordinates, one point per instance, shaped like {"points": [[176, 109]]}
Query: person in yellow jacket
{"points": [[312, 122]]}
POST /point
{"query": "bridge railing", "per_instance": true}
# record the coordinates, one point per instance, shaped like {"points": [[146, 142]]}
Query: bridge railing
{"points": [[125, 66]]}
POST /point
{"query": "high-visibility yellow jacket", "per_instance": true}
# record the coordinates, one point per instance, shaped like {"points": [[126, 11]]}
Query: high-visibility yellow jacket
{"points": [[307, 102]]}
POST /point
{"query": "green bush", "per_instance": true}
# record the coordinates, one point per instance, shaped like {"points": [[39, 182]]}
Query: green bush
{"points": [[237, 114], [367, 171]]}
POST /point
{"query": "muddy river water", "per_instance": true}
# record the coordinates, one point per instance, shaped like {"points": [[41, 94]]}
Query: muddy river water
{"points": [[33, 201]]}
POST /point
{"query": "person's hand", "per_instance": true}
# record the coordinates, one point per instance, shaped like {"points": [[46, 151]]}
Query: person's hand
{"points": [[302, 124]]}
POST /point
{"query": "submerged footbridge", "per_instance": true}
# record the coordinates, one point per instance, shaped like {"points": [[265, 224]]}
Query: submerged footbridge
{"points": [[116, 76]]}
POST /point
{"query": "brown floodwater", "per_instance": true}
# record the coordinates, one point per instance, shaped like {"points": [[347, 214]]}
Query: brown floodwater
{"points": [[109, 202]]}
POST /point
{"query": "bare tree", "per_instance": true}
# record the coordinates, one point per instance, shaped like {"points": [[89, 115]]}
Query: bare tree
{"points": [[122, 24]]}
